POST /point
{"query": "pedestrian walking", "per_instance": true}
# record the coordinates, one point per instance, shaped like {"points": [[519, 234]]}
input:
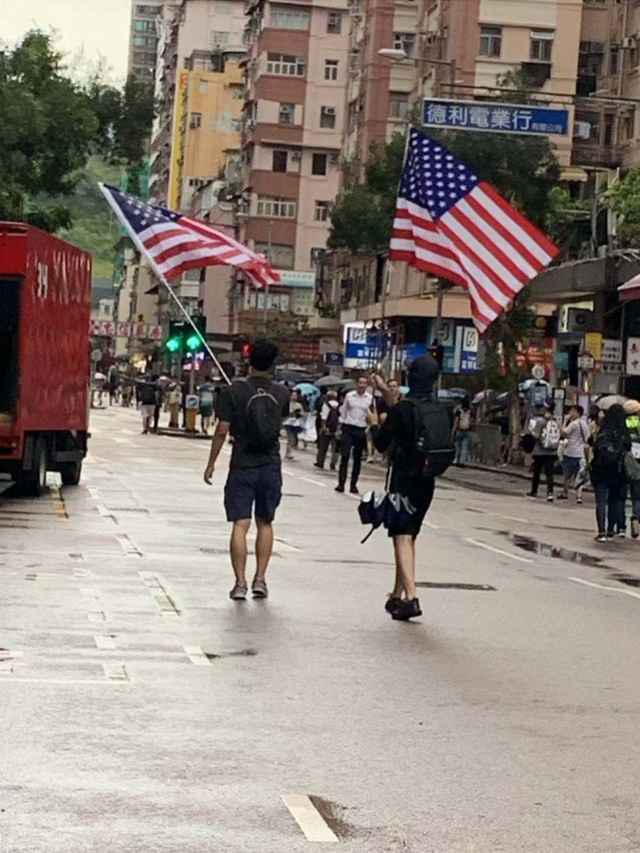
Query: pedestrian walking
{"points": [[294, 423], [546, 432], [317, 408], [328, 433], [399, 436], [610, 445], [148, 396], [174, 400], [205, 405], [575, 435], [632, 411], [353, 420], [462, 431], [157, 406], [251, 410]]}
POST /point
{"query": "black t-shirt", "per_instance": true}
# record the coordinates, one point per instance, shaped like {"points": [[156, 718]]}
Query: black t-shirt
{"points": [[232, 409]]}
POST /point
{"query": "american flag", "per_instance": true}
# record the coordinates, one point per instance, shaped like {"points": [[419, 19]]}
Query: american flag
{"points": [[175, 243], [451, 224]]}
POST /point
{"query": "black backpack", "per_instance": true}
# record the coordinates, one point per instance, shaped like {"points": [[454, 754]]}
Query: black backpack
{"points": [[433, 448], [333, 419], [609, 450], [264, 420]]}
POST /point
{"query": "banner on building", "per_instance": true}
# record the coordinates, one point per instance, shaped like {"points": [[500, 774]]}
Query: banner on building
{"points": [[494, 118], [110, 329], [633, 357]]}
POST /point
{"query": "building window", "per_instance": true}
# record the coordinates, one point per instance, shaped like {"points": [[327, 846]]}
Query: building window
{"points": [[280, 161], [144, 41], [334, 22], [144, 26], [149, 11], [203, 86], [289, 18], [279, 254], [614, 56], [288, 66], [281, 208], [491, 41], [626, 128], [219, 38], [331, 69], [319, 164], [195, 121], [406, 42], [286, 113], [328, 117], [321, 212], [398, 105], [541, 45]]}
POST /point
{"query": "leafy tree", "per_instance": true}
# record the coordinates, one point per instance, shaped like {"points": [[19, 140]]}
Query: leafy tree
{"points": [[624, 199], [52, 124]]}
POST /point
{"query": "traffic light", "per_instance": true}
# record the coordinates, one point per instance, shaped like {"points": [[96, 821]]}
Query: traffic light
{"points": [[173, 344], [245, 351], [193, 343], [182, 336]]}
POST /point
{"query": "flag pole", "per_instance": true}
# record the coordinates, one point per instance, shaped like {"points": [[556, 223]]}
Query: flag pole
{"points": [[160, 276]]}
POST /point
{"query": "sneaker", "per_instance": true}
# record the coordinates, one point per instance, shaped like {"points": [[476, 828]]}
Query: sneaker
{"points": [[635, 528], [259, 588], [391, 604], [550, 499], [407, 610], [622, 534], [318, 465], [354, 490], [563, 497], [578, 500], [601, 537], [340, 489], [238, 593], [610, 534]]}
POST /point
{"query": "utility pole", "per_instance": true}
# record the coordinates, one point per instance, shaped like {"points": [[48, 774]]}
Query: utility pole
{"points": [[266, 286]]}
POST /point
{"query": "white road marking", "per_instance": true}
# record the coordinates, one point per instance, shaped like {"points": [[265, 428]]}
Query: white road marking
{"points": [[284, 546], [607, 588], [115, 672], [196, 655], [97, 616], [103, 641], [498, 551], [309, 819], [432, 525]]}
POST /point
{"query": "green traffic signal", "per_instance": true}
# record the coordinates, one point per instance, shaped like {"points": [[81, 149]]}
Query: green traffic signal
{"points": [[193, 343], [173, 344]]}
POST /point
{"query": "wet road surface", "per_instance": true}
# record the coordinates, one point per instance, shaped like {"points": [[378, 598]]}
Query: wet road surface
{"points": [[144, 711]]}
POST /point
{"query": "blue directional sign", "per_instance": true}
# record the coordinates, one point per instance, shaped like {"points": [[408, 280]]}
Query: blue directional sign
{"points": [[494, 118]]}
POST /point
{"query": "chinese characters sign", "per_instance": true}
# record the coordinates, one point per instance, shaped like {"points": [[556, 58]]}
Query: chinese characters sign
{"points": [[499, 118], [108, 328]]}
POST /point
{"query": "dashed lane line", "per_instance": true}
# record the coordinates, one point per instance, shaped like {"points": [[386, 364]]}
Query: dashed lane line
{"points": [[498, 551], [628, 592], [196, 655], [309, 819], [313, 482], [105, 642]]}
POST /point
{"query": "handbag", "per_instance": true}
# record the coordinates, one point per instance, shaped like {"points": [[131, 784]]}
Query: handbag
{"points": [[631, 468], [389, 509]]}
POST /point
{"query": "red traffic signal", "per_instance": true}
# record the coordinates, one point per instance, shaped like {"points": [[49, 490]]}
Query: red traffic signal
{"points": [[245, 351]]}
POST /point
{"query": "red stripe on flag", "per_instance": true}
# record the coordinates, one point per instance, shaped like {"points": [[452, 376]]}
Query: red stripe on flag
{"points": [[155, 239], [545, 244], [507, 235], [483, 238]]}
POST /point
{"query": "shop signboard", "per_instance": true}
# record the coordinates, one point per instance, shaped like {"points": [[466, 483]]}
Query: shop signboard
{"points": [[593, 343], [611, 352], [494, 117], [633, 357], [469, 349]]}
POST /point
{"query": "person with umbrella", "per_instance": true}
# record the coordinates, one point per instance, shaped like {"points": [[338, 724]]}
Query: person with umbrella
{"points": [[610, 446]]}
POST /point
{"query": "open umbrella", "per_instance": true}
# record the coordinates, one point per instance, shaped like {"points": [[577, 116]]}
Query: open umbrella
{"points": [[609, 400], [329, 382], [308, 391], [630, 290]]}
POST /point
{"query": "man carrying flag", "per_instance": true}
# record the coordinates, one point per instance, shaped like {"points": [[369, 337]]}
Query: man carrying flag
{"points": [[457, 227]]}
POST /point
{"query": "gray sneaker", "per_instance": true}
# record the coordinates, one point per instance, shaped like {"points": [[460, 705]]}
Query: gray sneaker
{"points": [[259, 589], [238, 593]]}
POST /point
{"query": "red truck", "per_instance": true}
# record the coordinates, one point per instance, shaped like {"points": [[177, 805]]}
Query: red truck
{"points": [[45, 305]]}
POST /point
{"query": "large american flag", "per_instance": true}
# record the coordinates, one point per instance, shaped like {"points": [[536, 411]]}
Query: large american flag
{"points": [[457, 227], [176, 243]]}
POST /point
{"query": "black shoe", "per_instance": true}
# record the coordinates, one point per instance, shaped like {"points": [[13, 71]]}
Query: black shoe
{"points": [[391, 604], [354, 490], [407, 610], [318, 465], [339, 489], [610, 534]]}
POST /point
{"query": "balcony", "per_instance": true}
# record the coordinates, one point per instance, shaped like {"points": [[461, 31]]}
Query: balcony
{"points": [[589, 153]]}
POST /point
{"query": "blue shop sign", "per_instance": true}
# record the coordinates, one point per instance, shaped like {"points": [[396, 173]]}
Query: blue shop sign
{"points": [[494, 118]]}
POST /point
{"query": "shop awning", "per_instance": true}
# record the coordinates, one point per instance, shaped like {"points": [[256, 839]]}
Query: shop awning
{"points": [[630, 290]]}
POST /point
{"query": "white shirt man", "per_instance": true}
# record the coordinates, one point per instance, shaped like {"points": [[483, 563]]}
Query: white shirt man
{"points": [[353, 418]]}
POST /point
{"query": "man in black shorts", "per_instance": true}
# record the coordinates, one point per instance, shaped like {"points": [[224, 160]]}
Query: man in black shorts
{"points": [[251, 410], [398, 434]]}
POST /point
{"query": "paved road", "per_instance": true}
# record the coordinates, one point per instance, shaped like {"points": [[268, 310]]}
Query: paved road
{"points": [[143, 711]]}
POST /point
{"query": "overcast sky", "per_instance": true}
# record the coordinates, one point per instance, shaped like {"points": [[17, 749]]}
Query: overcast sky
{"points": [[100, 27]]}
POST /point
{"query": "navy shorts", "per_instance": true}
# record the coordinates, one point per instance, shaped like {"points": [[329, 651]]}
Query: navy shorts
{"points": [[420, 493], [250, 490]]}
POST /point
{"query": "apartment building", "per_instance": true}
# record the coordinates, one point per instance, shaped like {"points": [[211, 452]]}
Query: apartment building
{"points": [[199, 91], [143, 39]]}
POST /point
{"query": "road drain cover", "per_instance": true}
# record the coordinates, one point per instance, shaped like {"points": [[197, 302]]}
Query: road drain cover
{"points": [[526, 543], [480, 587]]}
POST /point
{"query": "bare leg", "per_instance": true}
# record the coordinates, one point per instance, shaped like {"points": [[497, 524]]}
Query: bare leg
{"points": [[264, 547], [405, 554], [238, 549]]}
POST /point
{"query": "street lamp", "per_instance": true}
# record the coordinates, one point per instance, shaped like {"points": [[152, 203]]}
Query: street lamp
{"points": [[400, 55]]}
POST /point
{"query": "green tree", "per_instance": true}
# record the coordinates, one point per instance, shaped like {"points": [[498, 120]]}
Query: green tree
{"points": [[51, 125], [624, 199]]}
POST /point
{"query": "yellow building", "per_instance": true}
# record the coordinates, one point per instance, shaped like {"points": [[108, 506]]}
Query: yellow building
{"points": [[208, 106]]}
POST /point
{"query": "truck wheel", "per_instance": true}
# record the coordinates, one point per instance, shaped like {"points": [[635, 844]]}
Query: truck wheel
{"points": [[71, 472], [33, 483]]}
